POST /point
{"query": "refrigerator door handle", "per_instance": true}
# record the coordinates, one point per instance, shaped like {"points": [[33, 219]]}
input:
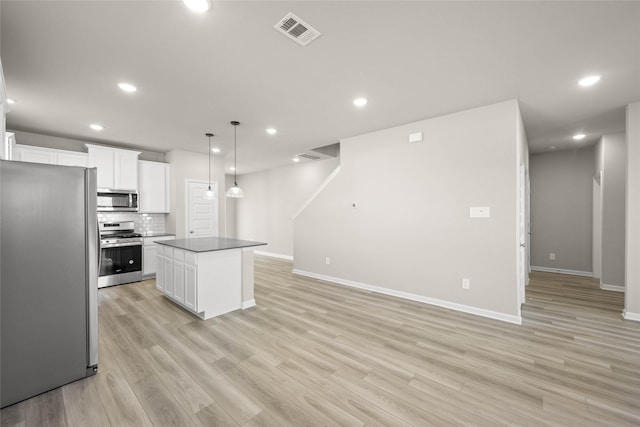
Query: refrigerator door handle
{"points": [[99, 248], [93, 268]]}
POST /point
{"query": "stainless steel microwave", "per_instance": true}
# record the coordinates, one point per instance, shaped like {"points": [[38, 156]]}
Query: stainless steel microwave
{"points": [[117, 201]]}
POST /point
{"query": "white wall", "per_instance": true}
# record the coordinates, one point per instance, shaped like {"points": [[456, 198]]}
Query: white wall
{"points": [[231, 230], [613, 209], [272, 198], [188, 165], [632, 291], [596, 255], [411, 234], [561, 209], [523, 211]]}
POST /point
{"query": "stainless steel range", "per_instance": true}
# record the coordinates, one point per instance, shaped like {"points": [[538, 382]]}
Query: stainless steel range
{"points": [[120, 254]]}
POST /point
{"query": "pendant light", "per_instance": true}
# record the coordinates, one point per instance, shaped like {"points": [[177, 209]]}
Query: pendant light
{"points": [[209, 193], [235, 191]]}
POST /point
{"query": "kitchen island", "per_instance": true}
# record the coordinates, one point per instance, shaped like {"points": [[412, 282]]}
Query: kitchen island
{"points": [[208, 276]]}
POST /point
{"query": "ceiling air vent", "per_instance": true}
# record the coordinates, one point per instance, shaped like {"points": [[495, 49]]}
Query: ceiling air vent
{"points": [[297, 30], [309, 156]]}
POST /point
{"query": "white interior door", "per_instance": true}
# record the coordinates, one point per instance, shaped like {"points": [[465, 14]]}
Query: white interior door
{"points": [[202, 213]]}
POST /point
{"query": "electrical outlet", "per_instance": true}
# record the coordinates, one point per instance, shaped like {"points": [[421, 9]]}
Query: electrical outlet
{"points": [[354, 205], [552, 256], [480, 212], [466, 283], [327, 260]]}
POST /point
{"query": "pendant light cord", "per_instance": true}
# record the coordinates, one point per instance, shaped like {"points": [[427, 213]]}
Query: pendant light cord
{"points": [[209, 135], [235, 155]]}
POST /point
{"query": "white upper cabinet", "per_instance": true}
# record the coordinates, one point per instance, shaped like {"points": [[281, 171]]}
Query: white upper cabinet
{"points": [[126, 169], [70, 158], [102, 158], [117, 168], [51, 156], [24, 153], [153, 182]]}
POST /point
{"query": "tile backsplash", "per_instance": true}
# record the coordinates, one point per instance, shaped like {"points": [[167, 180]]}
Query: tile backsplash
{"points": [[143, 223]]}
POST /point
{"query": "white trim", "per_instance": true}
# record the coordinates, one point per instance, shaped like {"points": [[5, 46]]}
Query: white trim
{"points": [[413, 297], [563, 271], [274, 255], [315, 194], [248, 304], [615, 288], [631, 316]]}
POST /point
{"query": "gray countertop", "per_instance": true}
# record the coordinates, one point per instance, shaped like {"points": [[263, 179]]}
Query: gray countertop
{"points": [[209, 244], [157, 234]]}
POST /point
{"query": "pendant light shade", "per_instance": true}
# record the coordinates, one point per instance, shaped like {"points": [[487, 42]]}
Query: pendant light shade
{"points": [[235, 191], [209, 193]]}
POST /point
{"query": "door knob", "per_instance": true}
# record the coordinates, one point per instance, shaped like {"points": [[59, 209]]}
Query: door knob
{"points": [[191, 231]]}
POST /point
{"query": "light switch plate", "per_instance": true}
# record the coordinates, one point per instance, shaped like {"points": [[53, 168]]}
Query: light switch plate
{"points": [[479, 212]]}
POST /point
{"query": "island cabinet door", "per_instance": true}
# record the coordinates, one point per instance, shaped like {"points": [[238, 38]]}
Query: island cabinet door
{"points": [[168, 272], [190, 282], [178, 275], [160, 268]]}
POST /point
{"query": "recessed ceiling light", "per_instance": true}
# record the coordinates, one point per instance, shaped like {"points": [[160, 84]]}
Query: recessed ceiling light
{"points": [[579, 136], [589, 80], [215, 149], [296, 159], [272, 131], [96, 127], [232, 168], [198, 6], [127, 87], [11, 101], [360, 102]]}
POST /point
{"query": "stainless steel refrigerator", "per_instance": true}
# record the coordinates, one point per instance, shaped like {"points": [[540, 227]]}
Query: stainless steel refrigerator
{"points": [[48, 277]]}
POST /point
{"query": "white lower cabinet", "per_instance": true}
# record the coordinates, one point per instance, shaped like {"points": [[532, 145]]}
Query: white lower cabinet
{"points": [[148, 260], [159, 261], [178, 275], [190, 284], [149, 257], [168, 271], [206, 283]]}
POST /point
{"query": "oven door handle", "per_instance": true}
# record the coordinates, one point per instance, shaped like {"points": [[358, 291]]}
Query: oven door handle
{"points": [[120, 245]]}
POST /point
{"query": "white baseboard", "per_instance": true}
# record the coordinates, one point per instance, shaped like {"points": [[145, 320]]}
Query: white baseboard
{"points": [[248, 304], [563, 271], [274, 255], [631, 316], [615, 288], [413, 297]]}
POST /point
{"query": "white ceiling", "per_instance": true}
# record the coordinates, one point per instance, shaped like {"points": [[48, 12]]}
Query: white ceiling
{"points": [[412, 60]]}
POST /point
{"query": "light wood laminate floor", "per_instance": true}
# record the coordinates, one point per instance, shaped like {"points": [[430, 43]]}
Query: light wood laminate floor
{"points": [[316, 354]]}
